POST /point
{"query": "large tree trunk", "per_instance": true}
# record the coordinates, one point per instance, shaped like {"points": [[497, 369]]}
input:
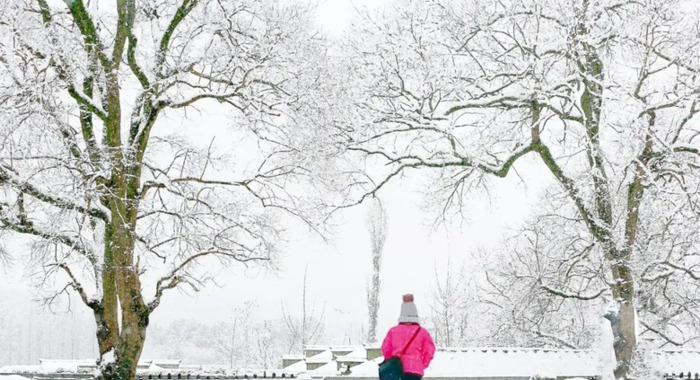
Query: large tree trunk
{"points": [[128, 352], [623, 318], [122, 344], [122, 365], [599, 219]]}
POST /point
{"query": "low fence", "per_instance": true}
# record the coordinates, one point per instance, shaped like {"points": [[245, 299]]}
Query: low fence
{"points": [[189, 376], [160, 376], [682, 376], [265, 375]]}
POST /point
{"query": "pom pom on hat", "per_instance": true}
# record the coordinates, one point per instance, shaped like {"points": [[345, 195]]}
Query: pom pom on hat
{"points": [[409, 312]]}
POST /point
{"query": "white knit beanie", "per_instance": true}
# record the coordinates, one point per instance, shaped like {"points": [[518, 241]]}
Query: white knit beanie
{"points": [[409, 312]]}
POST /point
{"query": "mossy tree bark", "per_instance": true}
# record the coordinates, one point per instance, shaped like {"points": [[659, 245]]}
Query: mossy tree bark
{"points": [[531, 79], [117, 93]]}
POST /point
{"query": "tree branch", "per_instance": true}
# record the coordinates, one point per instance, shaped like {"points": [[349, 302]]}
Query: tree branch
{"points": [[506, 102], [87, 103], [173, 279], [28, 228], [577, 296], [87, 29], [29, 189], [661, 334], [564, 180], [180, 14], [75, 284], [131, 59]]}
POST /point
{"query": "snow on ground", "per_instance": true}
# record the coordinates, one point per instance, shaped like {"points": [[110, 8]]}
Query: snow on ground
{"points": [[359, 354], [297, 367], [323, 357], [12, 377], [674, 361], [328, 369], [49, 366], [502, 362], [528, 362]]}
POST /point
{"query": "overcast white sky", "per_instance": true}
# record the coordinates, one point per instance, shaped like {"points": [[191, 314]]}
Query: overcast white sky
{"points": [[335, 15], [338, 272]]}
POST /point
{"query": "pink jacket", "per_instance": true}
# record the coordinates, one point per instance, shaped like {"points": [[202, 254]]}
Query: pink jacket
{"points": [[418, 355]]}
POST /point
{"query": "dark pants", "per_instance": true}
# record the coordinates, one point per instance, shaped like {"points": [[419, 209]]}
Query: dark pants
{"points": [[411, 376]]}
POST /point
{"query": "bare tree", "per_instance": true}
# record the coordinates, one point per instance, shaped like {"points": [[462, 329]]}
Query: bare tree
{"points": [[522, 287], [231, 337], [603, 94], [121, 206], [244, 341], [450, 306], [308, 328], [377, 228]]}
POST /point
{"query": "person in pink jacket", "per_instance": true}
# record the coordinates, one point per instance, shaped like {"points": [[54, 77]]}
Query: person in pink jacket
{"points": [[420, 352]]}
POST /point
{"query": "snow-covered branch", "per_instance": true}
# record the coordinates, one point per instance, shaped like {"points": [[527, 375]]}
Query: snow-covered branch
{"points": [[6, 178]]}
